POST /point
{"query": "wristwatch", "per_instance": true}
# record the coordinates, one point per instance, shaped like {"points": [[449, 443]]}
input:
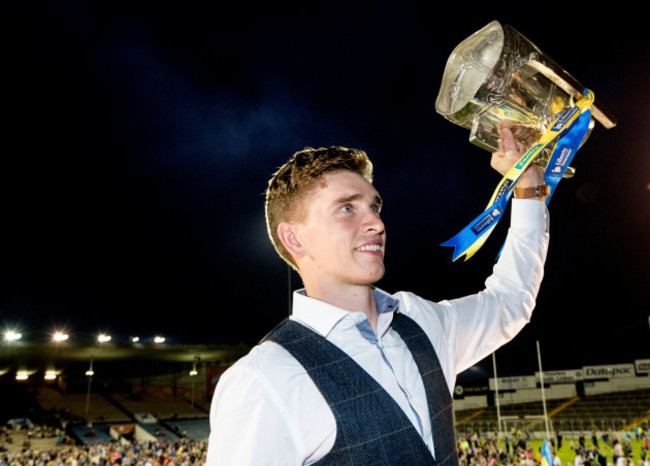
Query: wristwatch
{"points": [[540, 191]]}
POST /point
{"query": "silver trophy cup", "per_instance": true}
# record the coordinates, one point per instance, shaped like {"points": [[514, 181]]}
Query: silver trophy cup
{"points": [[497, 74]]}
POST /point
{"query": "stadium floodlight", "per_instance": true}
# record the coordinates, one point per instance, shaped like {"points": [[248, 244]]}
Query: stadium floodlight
{"points": [[59, 336], [50, 375], [90, 372], [103, 338], [135, 339], [158, 339], [11, 335], [22, 375], [194, 372]]}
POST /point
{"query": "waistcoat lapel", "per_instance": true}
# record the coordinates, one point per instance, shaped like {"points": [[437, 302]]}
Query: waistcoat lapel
{"points": [[435, 385], [371, 428]]}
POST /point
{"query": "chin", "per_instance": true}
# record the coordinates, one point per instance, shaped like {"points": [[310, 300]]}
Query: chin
{"points": [[376, 277]]}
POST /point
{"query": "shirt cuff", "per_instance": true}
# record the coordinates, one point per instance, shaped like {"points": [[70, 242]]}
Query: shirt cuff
{"points": [[529, 213]]}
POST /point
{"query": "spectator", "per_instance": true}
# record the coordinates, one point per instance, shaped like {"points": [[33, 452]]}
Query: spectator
{"points": [[578, 460]]}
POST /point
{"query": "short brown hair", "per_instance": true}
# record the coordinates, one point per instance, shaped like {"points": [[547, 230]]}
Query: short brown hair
{"points": [[290, 184]]}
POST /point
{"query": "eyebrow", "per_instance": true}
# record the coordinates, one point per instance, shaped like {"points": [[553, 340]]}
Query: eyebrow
{"points": [[377, 200]]}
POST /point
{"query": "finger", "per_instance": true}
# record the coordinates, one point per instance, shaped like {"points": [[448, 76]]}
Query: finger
{"points": [[509, 141], [520, 147], [504, 124]]}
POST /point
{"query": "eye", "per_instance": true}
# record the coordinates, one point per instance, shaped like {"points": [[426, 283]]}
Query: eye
{"points": [[376, 208], [346, 208]]}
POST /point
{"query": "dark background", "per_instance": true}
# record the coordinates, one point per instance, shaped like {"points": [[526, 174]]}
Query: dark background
{"points": [[138, 139]]}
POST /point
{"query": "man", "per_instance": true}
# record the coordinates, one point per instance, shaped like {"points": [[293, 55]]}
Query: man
{"points": [[359, 376]]}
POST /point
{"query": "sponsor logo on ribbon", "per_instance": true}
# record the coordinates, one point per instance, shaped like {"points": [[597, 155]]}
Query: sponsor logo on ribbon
{"points": [[486, 221], [559, 124], [523, 162]]}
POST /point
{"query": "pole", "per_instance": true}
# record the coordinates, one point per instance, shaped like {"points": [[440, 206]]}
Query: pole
{"points": [[192, 404], [541, 377], [193, 375], [496, 391], [90, 374]]}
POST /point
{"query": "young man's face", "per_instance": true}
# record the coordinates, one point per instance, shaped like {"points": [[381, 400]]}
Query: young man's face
{"points": [[342, 232]]}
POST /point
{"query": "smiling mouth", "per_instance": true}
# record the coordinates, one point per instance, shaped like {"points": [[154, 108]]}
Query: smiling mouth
{"points": [[370, 248]]}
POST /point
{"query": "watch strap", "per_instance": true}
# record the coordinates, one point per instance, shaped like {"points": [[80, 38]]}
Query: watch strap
{"points": [[540, 191]]}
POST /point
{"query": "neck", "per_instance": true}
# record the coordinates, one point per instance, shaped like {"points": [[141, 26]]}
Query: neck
{"points": [[351, 298]]}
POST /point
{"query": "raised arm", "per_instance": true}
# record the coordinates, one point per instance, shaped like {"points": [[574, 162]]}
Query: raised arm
{"points": [[476, 325], [494, 316]]}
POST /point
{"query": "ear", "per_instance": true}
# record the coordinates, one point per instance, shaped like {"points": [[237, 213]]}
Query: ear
{"points": [[288, 234]]}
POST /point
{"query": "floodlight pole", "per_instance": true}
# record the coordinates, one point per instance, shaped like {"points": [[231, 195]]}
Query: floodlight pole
{"points": [[193, 383], [541, 378], [193, 374], [496, 393], [89, 374]]}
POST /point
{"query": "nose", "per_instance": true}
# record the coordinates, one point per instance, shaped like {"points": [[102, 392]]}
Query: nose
{"points": [[372, 222]]}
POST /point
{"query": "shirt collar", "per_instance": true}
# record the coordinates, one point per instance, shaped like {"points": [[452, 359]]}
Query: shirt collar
{"points": [[322, 317]]}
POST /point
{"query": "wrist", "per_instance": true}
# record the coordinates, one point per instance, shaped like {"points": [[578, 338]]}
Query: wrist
{"points": [[541, 191], [531, 177]]}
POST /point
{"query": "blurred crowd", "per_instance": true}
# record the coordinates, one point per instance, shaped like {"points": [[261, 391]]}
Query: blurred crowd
{"points": [[474, 449], [602, 449], [180, 452]]}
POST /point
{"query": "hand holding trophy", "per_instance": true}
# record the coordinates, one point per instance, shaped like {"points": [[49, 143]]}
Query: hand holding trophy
{"points": [[497, 81], [510, 150]]}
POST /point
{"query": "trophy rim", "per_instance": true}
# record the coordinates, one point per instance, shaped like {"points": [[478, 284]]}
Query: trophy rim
{"points": [[443, 104]]}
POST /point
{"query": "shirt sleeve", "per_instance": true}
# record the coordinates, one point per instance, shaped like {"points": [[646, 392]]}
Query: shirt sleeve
{"points": [[464, 331], [248, 424], [485, 321]]}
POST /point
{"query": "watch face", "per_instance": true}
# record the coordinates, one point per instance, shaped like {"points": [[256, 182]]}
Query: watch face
{"points": [[543, 190]]}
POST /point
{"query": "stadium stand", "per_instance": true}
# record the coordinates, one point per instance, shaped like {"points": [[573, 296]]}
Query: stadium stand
{"points": [[163, 415], [614, 411], [174, 429], [100, 409], [92, 434], [198, 429], [161, 405]]}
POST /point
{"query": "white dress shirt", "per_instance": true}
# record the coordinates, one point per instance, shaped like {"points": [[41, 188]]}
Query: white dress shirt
{"points": [[267, 410]]}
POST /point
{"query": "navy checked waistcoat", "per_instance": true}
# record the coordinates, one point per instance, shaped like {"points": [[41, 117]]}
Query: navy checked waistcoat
{"points": [[371, 428]]}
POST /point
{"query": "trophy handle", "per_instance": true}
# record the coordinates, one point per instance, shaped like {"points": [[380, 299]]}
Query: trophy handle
{"points": [[568, 84]]}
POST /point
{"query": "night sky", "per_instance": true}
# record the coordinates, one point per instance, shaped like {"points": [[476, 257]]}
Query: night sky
{"points": [[138, 139]]}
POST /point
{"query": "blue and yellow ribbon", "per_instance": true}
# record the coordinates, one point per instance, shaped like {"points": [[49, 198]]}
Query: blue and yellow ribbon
{"points": [[572, 126]]}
